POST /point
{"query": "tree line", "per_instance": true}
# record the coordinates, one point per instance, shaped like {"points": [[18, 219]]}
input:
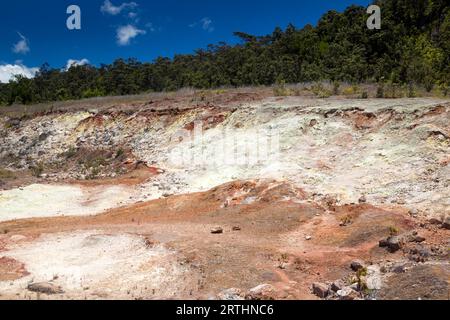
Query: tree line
{"points": [[412, 47]]}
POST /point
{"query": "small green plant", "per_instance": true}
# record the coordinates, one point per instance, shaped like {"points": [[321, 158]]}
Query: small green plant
{"points": [[364, 95], [361, 275], [283, 260], [346, 220], [393, 231], [37, 170], [284, 257], [69, 154], [120, 153], [8, 125], [95, 171]]}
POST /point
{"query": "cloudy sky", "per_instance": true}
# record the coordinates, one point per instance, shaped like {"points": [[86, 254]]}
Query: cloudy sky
{"points": [[35, 32]]}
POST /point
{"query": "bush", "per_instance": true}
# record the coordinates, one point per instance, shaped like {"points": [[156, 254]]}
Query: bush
{"points": [[280, 89], [320, 91], [348, 91], [393, 91], [380, 91], [428, 83], [336, 86], [6, 174], [443, 88], [92, 93], [411, 90]]}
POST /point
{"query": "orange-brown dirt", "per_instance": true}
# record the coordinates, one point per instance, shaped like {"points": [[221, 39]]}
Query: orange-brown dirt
{"points": [[269, 247]]}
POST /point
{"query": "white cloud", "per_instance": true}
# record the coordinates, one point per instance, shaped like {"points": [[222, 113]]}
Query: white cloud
{"points": [[150, 27], [22, 46], [126, 33], [111, 9], [76, 63], [8, 71], [205, 23]]}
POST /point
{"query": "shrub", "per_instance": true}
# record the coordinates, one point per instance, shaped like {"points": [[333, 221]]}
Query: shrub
{"points": [[361, 275], [120, 153], [348, 91], [320, 91], [411, 90], [37, 170], [280, 89], [72, 152], [6, 174], [429, 83], [393, 91], [356, 88], [443, 88], [336, 86], [380, 91]]}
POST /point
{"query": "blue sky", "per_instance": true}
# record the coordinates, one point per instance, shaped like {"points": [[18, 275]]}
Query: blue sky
{"points": [[34, 32]]}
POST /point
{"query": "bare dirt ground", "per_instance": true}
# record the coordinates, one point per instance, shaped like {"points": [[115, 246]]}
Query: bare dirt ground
{"points": [[349, 199]]}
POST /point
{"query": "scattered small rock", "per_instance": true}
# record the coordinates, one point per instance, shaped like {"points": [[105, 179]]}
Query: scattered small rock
{"points": [[435, 221], [357, 265], [399, 268], [232, 294], [313, 123], [395, 243], [446, 224], [321, 290], [236, 228], [18, 238], [337, 285], [347, 293], [217, 230], [373, 278], [355, 286], [261, 292], [308, 238], [45, 287], [363, 199]]}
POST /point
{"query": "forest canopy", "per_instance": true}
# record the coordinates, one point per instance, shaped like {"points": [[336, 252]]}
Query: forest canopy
{"points": [[412, 47]]}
